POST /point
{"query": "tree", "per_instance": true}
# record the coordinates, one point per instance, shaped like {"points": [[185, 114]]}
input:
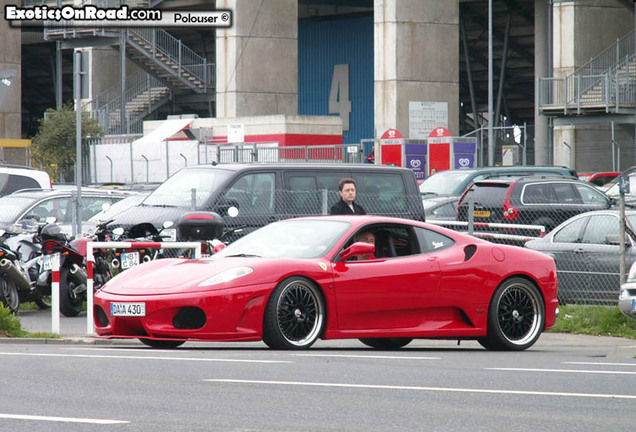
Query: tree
{"points": [[54, 146]]}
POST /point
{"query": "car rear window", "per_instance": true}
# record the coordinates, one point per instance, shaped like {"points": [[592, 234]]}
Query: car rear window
{"points": [[490, 194], [10, 183]]}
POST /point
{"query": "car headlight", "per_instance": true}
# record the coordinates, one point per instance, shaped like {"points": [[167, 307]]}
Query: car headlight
{"points": [[622, 295], [226, 276]]}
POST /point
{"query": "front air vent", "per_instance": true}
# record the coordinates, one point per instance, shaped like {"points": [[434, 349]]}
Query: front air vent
{"points": [[469, 251], [189, 318], [101, 319]]}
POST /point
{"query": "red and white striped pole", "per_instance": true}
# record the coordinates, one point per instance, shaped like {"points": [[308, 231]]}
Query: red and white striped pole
{"points": [[55, 293]]}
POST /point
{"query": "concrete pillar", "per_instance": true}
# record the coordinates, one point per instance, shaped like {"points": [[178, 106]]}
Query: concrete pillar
{"points": [[541, 61], [10, 64], [257, 59], [416, 59], [581, 30]]}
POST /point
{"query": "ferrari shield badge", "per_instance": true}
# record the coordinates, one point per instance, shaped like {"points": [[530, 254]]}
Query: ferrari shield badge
{"points": [[323, 266]]}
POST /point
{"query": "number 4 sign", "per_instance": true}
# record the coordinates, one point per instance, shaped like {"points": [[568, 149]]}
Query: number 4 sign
{"points": [[339, 102]]}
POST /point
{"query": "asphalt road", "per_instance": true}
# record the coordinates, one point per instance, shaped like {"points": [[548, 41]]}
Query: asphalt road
{"points": [[563, 383]]}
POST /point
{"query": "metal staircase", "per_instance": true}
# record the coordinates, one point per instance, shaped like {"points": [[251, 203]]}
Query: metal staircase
{"points": [[144, 94], [171, 67], [605, 84]]}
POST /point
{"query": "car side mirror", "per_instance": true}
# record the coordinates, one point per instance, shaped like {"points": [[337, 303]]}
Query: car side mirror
{"points": [[356, 250]]}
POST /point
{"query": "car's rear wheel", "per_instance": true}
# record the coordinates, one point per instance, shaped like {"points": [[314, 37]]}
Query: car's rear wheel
{"points": [[294, 315], [516, 316], [386, 343], [154, 343]]}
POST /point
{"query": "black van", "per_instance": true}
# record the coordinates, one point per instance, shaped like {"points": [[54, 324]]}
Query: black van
{"points": [[264, 193]]}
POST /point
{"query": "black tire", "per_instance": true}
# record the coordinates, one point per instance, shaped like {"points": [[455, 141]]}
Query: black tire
{"points": [[154, 343], [70, 303], [516, 316], [386, 343], [43, 301], [9, 295], [294, 316]]}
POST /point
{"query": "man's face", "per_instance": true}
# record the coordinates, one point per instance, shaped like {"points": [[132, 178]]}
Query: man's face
{"points": [[367, 237], [348, 192]]}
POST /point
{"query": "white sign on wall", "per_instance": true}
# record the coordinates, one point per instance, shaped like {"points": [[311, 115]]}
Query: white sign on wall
{"points": [[235, 133], [426, 116]]}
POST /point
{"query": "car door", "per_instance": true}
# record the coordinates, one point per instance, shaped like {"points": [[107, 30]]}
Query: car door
{"points": [[569, 254], [602, 259], [388, 292]]}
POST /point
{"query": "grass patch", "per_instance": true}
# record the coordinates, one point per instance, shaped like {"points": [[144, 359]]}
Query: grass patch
{"points": [[594, 320], [11, 326]]}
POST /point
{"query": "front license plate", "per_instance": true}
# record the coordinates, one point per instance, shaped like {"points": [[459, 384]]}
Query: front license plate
{"points": [[129, 259], [128, 309], [481, 213]]}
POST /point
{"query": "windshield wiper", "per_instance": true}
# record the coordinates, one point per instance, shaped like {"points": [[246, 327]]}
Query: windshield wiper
{"points": [[244, 255]]}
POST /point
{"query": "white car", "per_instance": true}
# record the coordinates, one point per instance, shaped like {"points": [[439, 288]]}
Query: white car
{"points": [[17, 177]]}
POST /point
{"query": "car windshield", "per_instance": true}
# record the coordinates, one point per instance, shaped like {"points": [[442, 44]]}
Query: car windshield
{"points": [[118, 207], [187, 186], [289, 239], [12, 206], [443, 183]]}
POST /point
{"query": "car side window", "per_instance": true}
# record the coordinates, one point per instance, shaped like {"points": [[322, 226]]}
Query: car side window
{"points": [[572, 232], [303, 196], [590, 196], [380, 193], [566, 194], [59, 208], [253, 193], [599, 228], [432, 241], [539, 193], [390, 240]]}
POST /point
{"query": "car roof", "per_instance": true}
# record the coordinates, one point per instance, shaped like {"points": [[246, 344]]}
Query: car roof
{"points": [[297, 165], [43, 193], [528, 179]]}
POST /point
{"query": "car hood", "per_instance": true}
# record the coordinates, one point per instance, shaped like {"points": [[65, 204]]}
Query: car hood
{"points": [[176, 275], [148, 214]]}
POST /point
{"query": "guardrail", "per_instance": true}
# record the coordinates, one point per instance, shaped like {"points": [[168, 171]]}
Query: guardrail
{"points": [[491, 235]]}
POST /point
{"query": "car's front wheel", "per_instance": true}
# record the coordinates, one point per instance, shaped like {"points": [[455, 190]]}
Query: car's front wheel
{"points": [[294, 315], [516, 316]]}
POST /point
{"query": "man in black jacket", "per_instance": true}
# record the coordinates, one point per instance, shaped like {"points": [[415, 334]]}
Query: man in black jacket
{"points": [[347, 205]]}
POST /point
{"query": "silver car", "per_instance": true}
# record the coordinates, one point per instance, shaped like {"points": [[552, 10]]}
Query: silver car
{"points": [[627, 296]]}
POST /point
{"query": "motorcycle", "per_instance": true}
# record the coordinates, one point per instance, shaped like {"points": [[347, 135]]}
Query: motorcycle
{"points": [[208, 228], [27, 245], [71, 267], [126, 258], [102, 272], [12, 279]]}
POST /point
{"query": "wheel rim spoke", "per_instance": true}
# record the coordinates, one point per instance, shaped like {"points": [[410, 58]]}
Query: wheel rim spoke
{"points": [[517, 314], [297, 313]]}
